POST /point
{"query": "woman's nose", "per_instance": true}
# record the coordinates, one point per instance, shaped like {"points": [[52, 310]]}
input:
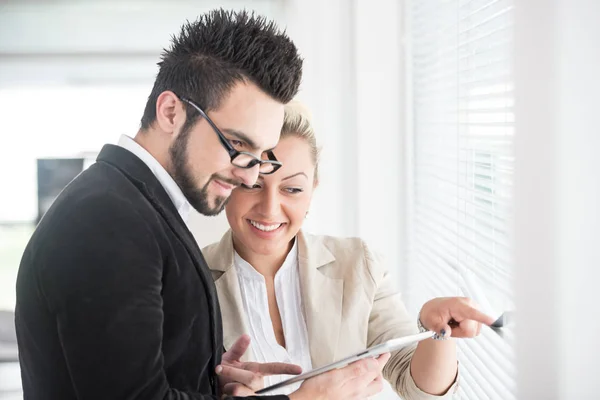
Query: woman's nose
{"points": [[269, 203]]}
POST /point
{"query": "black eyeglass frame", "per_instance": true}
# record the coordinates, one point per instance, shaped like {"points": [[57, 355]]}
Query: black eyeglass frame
{"points": [[233, 153]]}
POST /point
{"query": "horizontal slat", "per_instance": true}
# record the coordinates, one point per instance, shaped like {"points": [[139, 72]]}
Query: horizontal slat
{"points": [[465, 232], [435, 59], [465, 149], [492, 379], [489, 170], [439, 79], [487, 182], [492, 347], [490, 272], [428, 242], [470, 208], [453, 203], [501, 109], [459, 215], [469, 384], [470, 180], [473, 120], [483, 67], [440, 282], [500, 103], [505, 94], [471, 21], [466, 178], [451, 284], [499, 47], [464, 195], [477, 6], [437, 178], [494, 143], [425, 243], [468, 388], [497, 33], [490, 386]]}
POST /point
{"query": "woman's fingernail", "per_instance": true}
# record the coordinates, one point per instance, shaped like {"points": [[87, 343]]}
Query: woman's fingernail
{"points": [[219, 369], [443, 332]]}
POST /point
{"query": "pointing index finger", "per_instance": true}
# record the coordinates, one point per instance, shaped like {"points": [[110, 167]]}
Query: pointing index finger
{"points": [[476, 315]]}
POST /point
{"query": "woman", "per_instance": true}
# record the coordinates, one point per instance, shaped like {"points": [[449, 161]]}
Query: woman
{"points": [[310, 300]]}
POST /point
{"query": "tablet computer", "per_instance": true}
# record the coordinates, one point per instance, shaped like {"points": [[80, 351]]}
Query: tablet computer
{"points": [[375, 351]]}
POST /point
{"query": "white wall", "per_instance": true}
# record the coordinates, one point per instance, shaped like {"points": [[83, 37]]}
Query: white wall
{"points": [[558, 193]]}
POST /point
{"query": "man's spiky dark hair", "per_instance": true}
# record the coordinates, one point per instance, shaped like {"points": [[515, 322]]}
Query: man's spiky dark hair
{"points": [[220, 49]]}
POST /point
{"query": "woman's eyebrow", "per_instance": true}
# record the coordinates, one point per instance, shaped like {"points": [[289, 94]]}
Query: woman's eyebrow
{"points": [[296, 174]]}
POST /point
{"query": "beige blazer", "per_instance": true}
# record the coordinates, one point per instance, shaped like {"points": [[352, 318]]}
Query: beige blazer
{"points": [[348, 299]]}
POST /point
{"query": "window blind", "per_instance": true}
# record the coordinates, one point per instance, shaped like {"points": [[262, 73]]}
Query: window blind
{"points": [[462, 173]]}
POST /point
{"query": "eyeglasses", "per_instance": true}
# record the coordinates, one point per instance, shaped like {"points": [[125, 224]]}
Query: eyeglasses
{"points": [[240, 159]]}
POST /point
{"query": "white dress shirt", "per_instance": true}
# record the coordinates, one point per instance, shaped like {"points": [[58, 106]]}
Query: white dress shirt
{"points": [[256, 306], [165, 179]]}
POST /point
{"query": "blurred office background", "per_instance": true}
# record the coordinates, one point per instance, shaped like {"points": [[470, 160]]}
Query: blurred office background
{"points": [[460, 139]]}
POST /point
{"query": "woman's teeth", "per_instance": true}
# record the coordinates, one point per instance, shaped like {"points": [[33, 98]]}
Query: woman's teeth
{"points": [[264, 228]]}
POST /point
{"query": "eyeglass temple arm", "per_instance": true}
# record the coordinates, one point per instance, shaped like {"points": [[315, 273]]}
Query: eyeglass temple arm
{"points": [[223, 139]]}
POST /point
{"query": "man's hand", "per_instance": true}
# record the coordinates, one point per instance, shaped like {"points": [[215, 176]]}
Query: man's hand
{"points": [[244, 378], [454, 316]]}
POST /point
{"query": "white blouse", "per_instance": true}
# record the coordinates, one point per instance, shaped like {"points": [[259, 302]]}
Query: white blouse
{"points": [[289, 300]]}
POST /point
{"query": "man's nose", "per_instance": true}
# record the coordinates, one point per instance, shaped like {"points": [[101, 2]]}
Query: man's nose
{"points": [[247, 176]]}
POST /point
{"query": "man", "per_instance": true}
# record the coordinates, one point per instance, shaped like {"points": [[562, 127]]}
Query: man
{"points": [[114, 298]]}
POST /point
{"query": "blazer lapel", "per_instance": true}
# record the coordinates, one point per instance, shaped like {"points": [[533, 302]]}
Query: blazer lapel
{"points": [[220, 261], [141, 176], [322, 298]]}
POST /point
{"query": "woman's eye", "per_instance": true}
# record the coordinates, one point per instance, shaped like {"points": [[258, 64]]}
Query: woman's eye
{"points": [[293, 190]]}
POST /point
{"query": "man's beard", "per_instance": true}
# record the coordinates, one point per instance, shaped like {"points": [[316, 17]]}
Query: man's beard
{"points": [[197, 197]]}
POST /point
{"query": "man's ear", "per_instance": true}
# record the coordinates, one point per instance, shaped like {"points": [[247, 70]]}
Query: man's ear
{"points": [[170, 112]]}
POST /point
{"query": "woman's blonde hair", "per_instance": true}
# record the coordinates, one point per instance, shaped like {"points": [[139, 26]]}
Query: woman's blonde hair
{"points": [[297, 122]]}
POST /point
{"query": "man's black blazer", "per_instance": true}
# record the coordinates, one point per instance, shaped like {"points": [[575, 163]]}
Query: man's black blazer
{"points": [[114, 297]]}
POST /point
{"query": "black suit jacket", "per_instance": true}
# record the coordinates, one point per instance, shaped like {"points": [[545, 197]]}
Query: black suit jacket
{"points": [[114, 297]]}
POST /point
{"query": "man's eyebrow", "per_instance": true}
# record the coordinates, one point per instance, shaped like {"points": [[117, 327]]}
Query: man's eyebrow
{"points": [[243, 137], [293, 175]]}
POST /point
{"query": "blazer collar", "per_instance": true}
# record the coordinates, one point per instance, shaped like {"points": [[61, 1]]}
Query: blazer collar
{"points": [[322, 296], [140, 174]]}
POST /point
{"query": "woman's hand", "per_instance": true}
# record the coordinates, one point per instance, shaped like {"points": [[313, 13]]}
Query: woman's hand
{"points": [[356, 381], [458, 317]]}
